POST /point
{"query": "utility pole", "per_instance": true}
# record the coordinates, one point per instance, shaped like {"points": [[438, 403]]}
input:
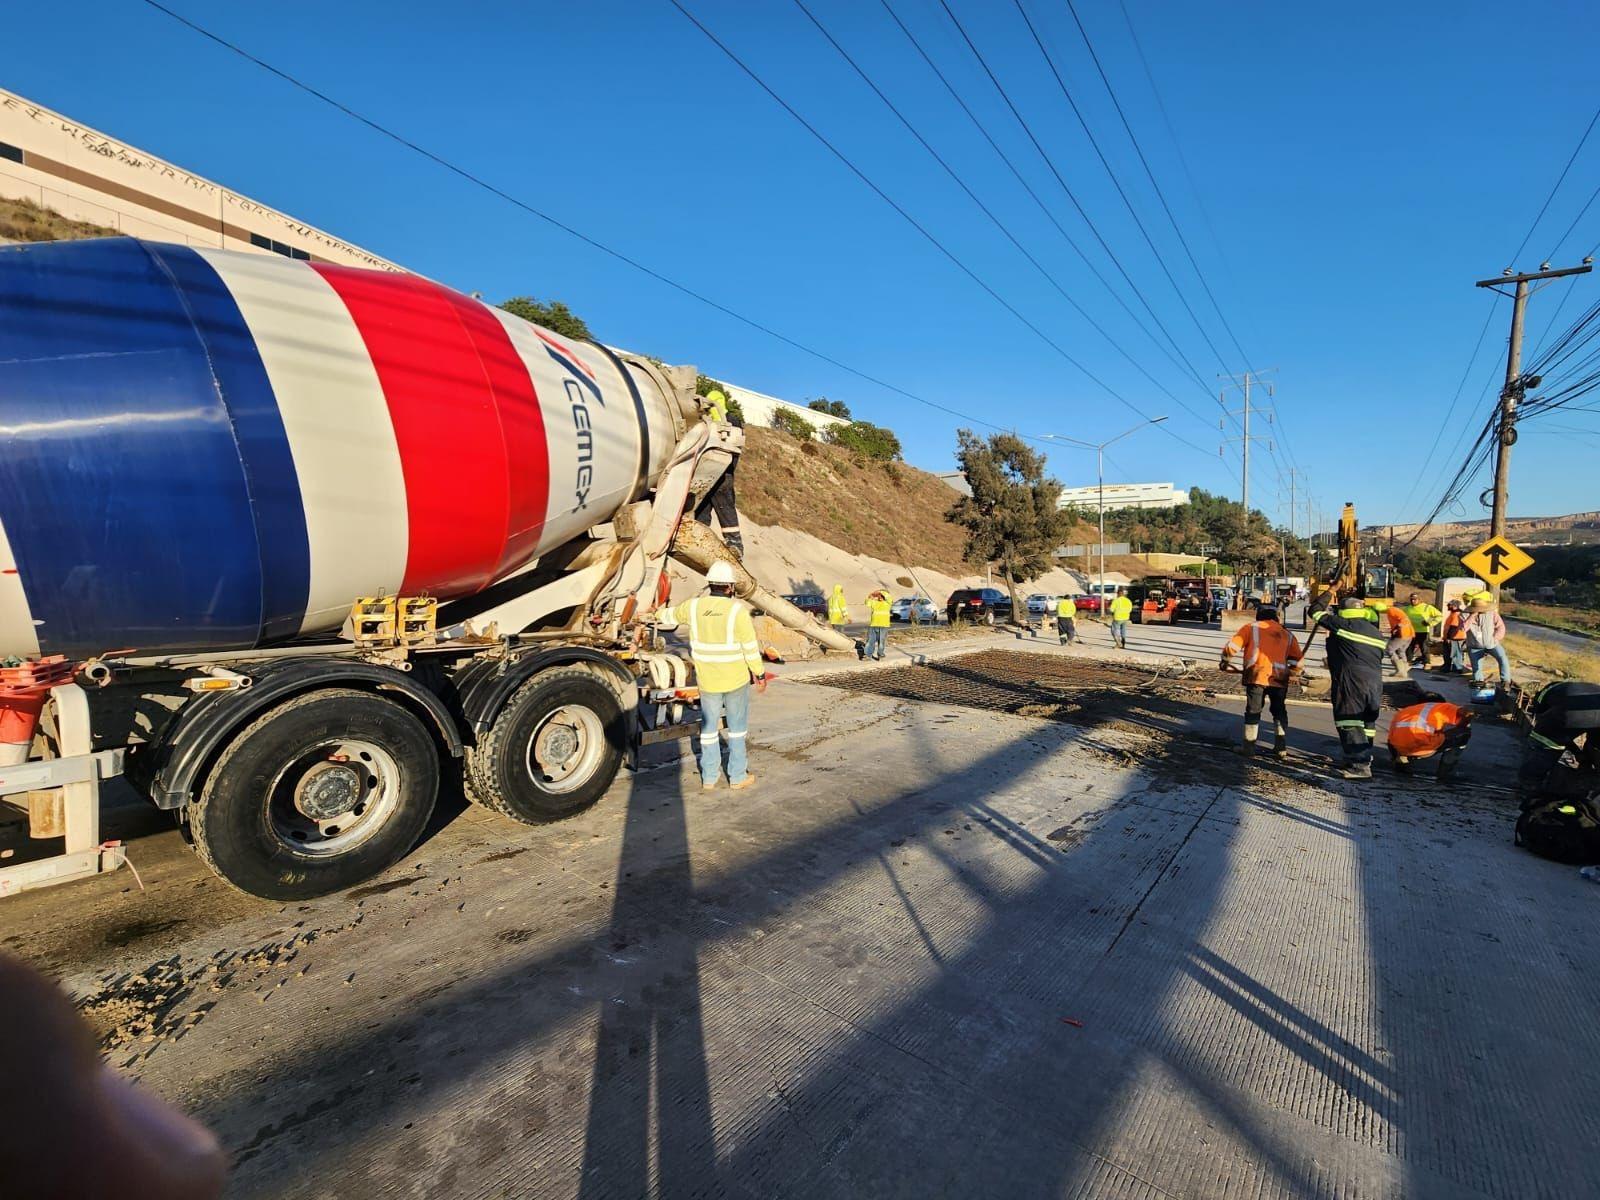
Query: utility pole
{"points": [[1516, 386], [1243, 382]]}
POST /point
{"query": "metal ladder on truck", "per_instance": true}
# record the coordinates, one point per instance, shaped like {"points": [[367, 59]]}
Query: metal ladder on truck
{"points": [[69, 805]]}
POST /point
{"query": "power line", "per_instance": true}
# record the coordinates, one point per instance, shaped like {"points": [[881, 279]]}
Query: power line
{"points": [[568, 229], [911, 220], [1116, 183], [1444, 422], [984, 208], [1027, 187], [1172, 220], [1560, 179], [1050, 162]]}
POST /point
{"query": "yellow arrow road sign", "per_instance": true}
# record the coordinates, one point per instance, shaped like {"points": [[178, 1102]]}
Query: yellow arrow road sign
{"points": [[1497, 560]]}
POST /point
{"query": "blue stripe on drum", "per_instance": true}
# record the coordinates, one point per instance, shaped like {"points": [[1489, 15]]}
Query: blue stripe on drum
{"points": [[280, 519], [121, 485]]}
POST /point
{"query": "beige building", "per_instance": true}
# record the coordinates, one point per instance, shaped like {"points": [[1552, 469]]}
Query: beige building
{"points": [[87, 175]]}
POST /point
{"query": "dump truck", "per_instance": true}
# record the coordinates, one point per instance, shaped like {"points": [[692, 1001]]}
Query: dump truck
{"points": [[283, 543]]}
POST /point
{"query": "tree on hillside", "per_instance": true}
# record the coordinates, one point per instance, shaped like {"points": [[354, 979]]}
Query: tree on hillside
{"points": [[834, 408], [554, 316], [865, 438], [1012, 517]]}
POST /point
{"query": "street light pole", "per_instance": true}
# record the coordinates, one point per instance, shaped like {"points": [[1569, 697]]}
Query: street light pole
{"points": [[1099, 449]]}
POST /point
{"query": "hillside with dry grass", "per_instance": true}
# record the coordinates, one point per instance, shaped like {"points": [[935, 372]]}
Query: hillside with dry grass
{"points": [[25, 221], [887, 510]]}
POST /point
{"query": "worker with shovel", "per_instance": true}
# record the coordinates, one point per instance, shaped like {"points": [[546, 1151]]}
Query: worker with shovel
{"points": [[1357, 648], [1268, 656]]}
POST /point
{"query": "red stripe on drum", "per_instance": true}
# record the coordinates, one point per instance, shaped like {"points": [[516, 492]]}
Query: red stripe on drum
{"points": [[521, 425], [446, 427]]}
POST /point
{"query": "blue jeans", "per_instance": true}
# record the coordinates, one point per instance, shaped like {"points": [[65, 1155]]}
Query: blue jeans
{"points": [[1498, 653], [877, 641], [1452, 654], [1119, 633], [714, 706]]}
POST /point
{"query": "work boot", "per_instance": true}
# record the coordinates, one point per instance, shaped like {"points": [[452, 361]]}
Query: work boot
{"points": [[1355, 770], [712, 786], [1280, 746], [749, 781]]}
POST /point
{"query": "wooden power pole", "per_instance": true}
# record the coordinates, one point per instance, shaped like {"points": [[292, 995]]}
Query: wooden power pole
{"points": [[1515, 385]]}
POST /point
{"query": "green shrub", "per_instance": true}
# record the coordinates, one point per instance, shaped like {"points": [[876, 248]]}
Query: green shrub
{"points": [[866, 439], [793, 424]]}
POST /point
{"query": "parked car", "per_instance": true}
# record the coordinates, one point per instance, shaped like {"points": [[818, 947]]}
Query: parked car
{"points": [[810, 604], [1040, 603], [1087, 604], [986, 605], [902, 609]]}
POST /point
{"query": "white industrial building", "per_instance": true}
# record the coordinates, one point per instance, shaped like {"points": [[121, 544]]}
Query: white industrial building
{"points": [[759, 409], [1124, 495], [86, 175]]}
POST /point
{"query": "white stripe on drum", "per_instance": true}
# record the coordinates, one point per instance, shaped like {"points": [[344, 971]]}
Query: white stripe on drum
{"points": [[340, 435], [579, 432], [17, 633]]}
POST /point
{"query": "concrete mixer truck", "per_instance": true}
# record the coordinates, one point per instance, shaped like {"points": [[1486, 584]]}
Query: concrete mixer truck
{"points": [[280, 539]]}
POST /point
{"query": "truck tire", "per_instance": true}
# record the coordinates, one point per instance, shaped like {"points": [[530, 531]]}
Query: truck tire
{"points": [[318, 794], [553, 750]]}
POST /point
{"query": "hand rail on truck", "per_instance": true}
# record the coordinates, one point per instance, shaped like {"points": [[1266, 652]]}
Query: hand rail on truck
{"points": [[78, 773]]}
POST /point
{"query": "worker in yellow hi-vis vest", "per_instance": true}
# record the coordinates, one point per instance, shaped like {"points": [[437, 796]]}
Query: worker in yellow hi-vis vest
{"points": [[722, 642], [877, 625]]}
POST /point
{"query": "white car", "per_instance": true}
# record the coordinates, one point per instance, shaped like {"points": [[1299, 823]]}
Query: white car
{"points": [[1040, 603], [902, 608]]}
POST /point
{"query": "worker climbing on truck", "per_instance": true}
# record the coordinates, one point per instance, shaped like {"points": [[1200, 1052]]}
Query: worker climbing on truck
{"points": [[1269, 659], [722, 643], [1356, 650], [721, 500]]}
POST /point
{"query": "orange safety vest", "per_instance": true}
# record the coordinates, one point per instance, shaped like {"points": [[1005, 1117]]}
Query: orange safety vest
{"points": [[1455, 628], [1268, 651], [1400, 624], [1419, 730]]}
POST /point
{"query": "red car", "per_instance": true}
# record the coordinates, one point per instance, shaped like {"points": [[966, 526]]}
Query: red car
{"points": [[1087, 604]]}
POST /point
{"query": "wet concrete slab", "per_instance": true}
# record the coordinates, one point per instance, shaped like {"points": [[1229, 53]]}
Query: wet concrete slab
{"points": [[938, 950]]}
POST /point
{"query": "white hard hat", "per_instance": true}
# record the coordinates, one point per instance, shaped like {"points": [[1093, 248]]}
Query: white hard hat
{"points": [[721, 572]]}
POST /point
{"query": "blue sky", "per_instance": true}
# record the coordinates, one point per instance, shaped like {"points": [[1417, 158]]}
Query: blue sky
{"points": [[1354, 169]]}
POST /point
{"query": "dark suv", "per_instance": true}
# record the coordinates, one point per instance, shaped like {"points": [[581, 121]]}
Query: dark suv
{"points": [[811, 604], [984, 605]]}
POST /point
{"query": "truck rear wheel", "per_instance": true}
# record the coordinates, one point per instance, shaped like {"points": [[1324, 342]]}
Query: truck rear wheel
{"points": [[553, 750], [324, 791]]}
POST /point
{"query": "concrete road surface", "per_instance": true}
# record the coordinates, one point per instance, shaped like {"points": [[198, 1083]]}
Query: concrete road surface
{"points": [[938, 950]]}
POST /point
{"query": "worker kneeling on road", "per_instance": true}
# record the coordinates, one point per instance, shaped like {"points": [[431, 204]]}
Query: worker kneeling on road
{"points": [[1432, 727], [1268, 656], [1356, 650], [1067, 620], [722, 642], [877, 624]]}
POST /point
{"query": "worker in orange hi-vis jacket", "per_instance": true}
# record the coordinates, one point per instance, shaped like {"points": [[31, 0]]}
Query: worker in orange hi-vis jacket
{"points": [[1268, 656], [1424, 730]]}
